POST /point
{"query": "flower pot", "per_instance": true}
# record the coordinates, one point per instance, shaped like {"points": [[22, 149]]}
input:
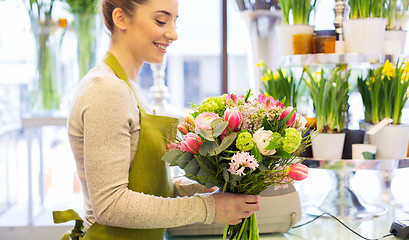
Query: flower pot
{"points": [[352, 136], [358, 150], [328, 145], [286, 33], [391, 141], [365, 35], [394, 42]]}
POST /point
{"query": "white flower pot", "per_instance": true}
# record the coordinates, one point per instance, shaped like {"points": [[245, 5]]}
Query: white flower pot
{"points": [[328, 145], [391, 141], [364, 35], [285, 36], [394, 42]]}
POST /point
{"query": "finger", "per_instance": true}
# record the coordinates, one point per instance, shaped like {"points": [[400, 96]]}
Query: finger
{"points": [[251, 207], [252, 199]]}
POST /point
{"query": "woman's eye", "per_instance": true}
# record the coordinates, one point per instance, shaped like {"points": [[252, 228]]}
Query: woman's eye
{"points": [[160, 23]]}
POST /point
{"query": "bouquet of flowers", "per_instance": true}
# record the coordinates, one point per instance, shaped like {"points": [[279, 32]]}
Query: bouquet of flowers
{"points": [[241, 146]]}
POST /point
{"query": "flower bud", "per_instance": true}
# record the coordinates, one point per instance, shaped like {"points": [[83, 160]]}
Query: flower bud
{"points": [[285, 114], [191, 143], [298, 171], [233, 116], [184, 128]]}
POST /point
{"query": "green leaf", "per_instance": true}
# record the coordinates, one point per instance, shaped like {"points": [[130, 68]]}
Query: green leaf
{"points": [[208, 147], [184, 159], [368, 155], [227, 141], [216, 122], [172, 156], [226, 179], [256, 154], [219, 128], [206, 134], [192, 167], [275, 142]]}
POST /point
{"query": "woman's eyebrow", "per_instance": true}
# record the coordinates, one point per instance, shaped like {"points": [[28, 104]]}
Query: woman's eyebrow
{"points": [[165, 12]]}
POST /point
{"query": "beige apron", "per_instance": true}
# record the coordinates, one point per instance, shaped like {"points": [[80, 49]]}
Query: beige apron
{"points": [[148, 173]]}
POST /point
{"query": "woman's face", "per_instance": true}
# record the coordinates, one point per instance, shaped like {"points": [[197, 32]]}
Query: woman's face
{"points": [[152, 29]]}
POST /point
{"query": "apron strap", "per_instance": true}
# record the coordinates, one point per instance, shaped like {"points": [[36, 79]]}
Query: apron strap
{"points": [[114, 64], [69, 215]]}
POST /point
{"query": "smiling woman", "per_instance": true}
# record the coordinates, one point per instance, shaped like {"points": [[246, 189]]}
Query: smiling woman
{"points": [[118, 142]]}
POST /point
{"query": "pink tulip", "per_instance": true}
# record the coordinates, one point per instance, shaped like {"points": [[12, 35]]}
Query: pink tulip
{"points": [[184, 128], [191, 143], [298, 171], [233, 116], [285, 114]]}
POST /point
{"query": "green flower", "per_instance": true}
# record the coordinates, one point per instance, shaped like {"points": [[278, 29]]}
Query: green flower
{"points": [[292, 140], [213, 104], [244, 141]]}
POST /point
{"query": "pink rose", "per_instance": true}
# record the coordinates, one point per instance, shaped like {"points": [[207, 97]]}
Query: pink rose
{"points": [[298, 171], [204, 120], [233, 116], [191, 143], [285, 114]]}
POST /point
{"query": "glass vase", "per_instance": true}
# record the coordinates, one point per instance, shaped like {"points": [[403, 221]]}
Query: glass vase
{"points": [[45, 90], [86, 29]]}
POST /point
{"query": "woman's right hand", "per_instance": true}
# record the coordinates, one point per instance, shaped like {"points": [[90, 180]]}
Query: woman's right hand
{"points": [[231, 208]]}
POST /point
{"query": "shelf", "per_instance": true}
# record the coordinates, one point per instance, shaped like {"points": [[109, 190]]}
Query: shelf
{"points": [[364, 60]]}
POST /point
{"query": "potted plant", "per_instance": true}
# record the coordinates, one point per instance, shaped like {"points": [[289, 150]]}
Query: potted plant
{"points": [[329, 91], [296, 21], [281, 84], [384, 94], [365, 29], [395, 36]]}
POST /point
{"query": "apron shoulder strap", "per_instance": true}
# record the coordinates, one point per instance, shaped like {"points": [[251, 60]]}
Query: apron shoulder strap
{"points": [[114, 64]]}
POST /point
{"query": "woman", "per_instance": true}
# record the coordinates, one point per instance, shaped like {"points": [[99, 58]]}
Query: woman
{"points": [[118, 143]]}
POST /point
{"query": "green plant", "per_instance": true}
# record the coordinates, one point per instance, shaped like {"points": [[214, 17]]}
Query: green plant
{"points": [[280, 85], [366, 8], [329, 92], [384, 91], [84, 12], [300, 9], [402, 13]]}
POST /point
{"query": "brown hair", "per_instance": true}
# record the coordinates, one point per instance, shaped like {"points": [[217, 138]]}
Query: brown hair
{"points": [[108, 6]]}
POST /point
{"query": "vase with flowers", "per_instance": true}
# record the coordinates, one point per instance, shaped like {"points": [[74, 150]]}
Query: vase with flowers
{"points": [[329, 91], [86, 28], [45, 90], [295, 33], [365, 29], [384, 92]]}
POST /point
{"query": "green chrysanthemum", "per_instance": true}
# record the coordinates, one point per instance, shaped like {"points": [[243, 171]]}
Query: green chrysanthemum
{"points": [[292, 140], [213, 104], [244, 141]]}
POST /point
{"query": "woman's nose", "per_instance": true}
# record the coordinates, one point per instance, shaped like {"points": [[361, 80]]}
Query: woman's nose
{"points": [[171, 34]]}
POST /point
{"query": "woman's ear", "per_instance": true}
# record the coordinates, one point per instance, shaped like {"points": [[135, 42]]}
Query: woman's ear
{"points": [[119, 18]]}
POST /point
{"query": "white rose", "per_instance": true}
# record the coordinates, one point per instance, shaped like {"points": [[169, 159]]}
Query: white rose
{"points": [[262, 138]]}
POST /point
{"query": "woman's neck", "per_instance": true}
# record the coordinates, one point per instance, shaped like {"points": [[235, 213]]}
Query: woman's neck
{"points": [[126, 60]]}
